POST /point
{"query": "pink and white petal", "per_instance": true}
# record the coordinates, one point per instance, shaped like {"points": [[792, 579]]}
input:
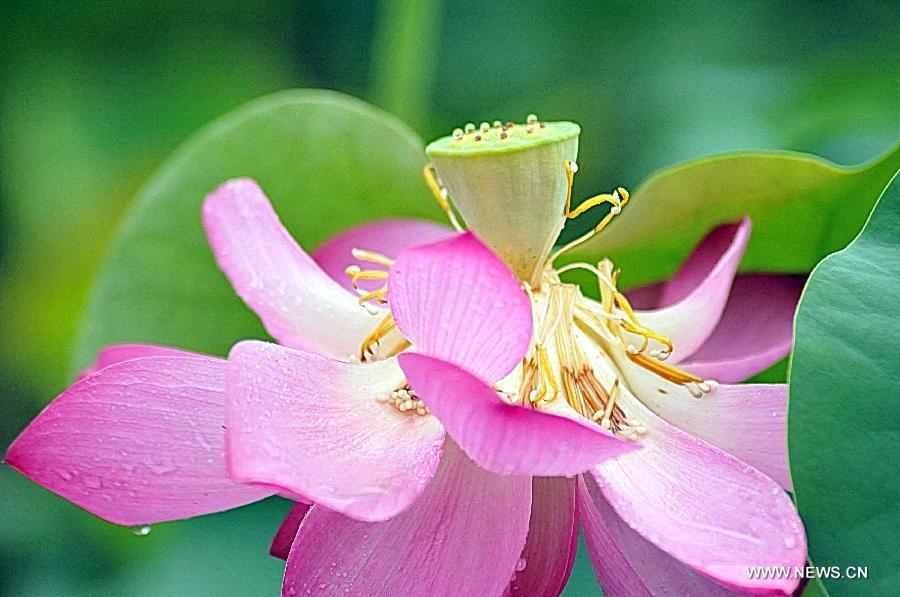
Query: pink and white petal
{"points": [[457, 301], [387, 237], [749, 421], [549, 553], [693, 300], [315, 427], [703, 506], [116, 353], [463, 536], [298, 303], [138, 442], [284, 536], [755, 331], [627, 564], [504, 438]]}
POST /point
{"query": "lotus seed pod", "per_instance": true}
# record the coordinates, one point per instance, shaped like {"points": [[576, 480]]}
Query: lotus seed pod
{"points": [[510, 187]]}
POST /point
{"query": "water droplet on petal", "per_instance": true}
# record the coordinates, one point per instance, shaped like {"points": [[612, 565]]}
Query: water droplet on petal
{"points": [[790, 542], [520, 565], [142, 531]]}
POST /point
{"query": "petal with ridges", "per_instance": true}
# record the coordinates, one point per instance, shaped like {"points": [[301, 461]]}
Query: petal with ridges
{"points": [[388, 237], [463, 536], [505, 438], [297, 302], [455, 300], [703, 506], [627, 564], [692, 301], [314, 426], [549, 552], [284, 536], [138, 442]]}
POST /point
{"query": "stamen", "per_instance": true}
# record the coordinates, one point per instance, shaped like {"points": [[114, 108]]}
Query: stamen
{"points": [[666, 371], [618, 198], [357, 274], [369, 350], [371, 257], [440, 193], [405, 399]]}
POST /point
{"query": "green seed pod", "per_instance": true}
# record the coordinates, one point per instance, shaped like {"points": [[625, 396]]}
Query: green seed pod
{"points": [[510, 186]]}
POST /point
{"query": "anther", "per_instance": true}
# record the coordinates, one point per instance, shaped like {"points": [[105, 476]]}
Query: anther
{"points": [[478, 137]]}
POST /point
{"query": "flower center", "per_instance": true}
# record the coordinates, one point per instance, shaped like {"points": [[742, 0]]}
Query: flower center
{"points": [[573, 335]]}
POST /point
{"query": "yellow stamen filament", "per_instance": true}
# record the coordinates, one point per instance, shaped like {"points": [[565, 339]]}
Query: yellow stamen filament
{"points": [[663, 370], [571, 169], [618, 198], [549, 379], [357, 274], [369, 348], [371, 257], [440, 194], [379, 295]]}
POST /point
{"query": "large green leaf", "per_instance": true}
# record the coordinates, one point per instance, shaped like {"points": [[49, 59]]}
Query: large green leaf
{"points": [[802, 207], [844, 419], [327, 161]]}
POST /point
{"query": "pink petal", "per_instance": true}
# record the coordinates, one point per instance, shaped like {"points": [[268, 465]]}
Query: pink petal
{"points": [[702, 506], [628, 564], [552, 540], [388, 237], [116, 353], [463, 536], [284, 537], [298, 303], [755, 330], [138, 442], [315, 427], [503, 438], [455, 300], [748, 421], [692, 301]]}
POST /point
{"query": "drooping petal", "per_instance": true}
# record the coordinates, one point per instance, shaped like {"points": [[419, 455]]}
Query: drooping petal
{"points": [[505, 438], [116, 353], [315, 426], [692, 301], [138, 442], [463, 536], [627, 564], [703, 506], [549, 553], [455, 300], [297, 302], [387, 237], [284, 536], [755, 331]]}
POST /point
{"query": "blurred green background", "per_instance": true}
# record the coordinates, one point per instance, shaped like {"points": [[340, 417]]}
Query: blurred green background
{"points": [[93, 96]]}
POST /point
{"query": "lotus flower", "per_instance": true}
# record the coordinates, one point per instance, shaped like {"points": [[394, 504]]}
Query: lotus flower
{"points": [[451, 443]]}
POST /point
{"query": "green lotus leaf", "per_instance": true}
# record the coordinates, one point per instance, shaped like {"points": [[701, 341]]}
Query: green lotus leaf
{"points": [[327, 161], [844, 417]]}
